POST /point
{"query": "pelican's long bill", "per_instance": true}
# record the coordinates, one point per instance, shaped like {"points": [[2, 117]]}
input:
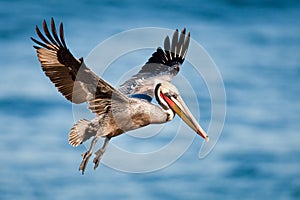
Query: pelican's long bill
{"points": [[179, 107]]}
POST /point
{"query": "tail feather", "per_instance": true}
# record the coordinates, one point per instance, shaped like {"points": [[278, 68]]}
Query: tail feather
{"points": [[81, 132]]}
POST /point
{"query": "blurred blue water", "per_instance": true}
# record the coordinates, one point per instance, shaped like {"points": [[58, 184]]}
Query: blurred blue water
{"points": [[256, 45]]}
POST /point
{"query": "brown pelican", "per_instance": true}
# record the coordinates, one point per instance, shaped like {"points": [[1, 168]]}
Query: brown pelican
{"points": [[117, 110]]}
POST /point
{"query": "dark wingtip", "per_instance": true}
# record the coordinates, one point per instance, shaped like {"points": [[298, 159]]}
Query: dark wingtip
{"points": [[167, 43], [44, 24], [61, 33], [183, 31], [52, 20], [36, 47], [37, 28], [54, 33], [180, 45]]}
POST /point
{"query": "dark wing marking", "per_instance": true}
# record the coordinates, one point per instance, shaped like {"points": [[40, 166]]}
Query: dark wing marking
{"points": [[107, 97], [169, 57], [162, 65], [70, 75], [62, 67]]}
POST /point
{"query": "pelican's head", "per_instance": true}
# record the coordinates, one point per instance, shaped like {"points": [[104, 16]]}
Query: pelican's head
{"points": [[169, 98]]}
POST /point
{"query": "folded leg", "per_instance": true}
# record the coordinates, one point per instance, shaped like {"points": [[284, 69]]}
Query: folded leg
{"points": [[100, 152], [87, 155]]}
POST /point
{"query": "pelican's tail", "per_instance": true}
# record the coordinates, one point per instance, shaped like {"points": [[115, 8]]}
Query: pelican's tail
{"points": [[81, 132]]}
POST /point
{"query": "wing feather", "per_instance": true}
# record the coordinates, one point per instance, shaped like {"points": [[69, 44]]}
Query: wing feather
{"points": [[174, 44], [47, 33], [70, 75], [62, 36], [162, 65], [53, 29], [180, 42], [167, 48]]}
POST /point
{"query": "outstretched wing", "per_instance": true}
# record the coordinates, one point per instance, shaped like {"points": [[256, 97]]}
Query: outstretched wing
{"points": [[162, 65], [70, 75]]}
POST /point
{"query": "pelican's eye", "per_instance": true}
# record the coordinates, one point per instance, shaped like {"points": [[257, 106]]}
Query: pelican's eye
{"points": [[174, 96]]}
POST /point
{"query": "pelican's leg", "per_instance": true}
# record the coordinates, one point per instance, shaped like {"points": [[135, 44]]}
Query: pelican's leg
{"points": [[87, 155], [100, 152]]}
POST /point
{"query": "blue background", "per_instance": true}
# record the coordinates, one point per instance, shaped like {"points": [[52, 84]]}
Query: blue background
{"points": [[255, 44]]}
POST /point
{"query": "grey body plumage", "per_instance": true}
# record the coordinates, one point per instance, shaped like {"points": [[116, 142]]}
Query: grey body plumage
{"points": [[117, 110]]}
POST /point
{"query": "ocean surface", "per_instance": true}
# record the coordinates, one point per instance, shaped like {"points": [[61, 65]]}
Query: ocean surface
{"points": [[254, 43]]}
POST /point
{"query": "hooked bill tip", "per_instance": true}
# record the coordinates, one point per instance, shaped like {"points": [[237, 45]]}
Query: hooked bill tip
{"points": [[207, 139], [203, 135]]}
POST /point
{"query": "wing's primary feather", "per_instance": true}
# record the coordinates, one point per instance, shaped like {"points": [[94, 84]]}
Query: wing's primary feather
{"points": [[162, 65], [70, 75]]}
